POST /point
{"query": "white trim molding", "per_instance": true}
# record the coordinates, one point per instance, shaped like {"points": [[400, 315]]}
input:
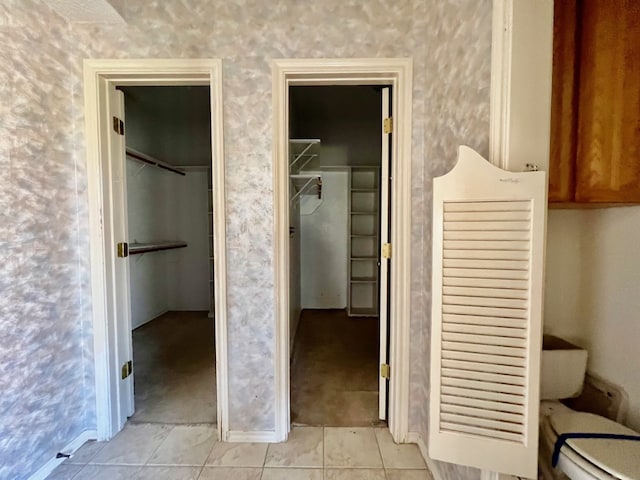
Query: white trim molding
{"points": [[98, 74], [397, 72], [43, 472], [267, 436], [521, 65]]}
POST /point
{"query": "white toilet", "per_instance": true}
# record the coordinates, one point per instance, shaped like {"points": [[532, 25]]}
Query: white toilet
{"points": [[563, 370]]}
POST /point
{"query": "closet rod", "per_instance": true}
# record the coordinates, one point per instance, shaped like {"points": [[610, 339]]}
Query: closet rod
{"points": [[149, 160]]}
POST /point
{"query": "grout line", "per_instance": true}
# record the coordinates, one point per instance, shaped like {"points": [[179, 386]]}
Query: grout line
{"points": [[380, 452]]}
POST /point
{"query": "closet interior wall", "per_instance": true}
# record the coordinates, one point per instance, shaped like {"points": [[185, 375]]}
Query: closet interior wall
{"points": [[166, 206], [346, 121]]}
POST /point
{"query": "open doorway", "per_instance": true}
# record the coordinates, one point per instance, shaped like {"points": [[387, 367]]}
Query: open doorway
{"points": [[111, 257], [396, 73], [337, 229], [171, 267]]}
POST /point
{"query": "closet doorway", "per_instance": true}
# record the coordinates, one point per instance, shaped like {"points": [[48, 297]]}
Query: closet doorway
{"points": [[339, 212], [113, 251], [396, 73], [171, 268]]}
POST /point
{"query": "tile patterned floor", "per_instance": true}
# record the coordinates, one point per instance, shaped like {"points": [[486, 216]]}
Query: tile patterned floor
{"points": [[190, 452]]}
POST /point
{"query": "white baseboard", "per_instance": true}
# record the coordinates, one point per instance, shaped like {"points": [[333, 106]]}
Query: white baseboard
{"points": [[44, 471], [236, 436]]}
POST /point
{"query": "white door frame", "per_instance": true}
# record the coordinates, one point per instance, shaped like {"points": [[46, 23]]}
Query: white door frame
{"points": [[98, 74], [397, 72]]}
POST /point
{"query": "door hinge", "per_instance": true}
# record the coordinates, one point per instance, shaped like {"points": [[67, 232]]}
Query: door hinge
{"points": [[386, 250], [127, 369], [387, 125], [118, 126], [385, 370], [123, 249]]}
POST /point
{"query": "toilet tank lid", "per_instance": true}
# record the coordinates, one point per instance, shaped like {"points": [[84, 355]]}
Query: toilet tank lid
{"points": [[620, 458]]}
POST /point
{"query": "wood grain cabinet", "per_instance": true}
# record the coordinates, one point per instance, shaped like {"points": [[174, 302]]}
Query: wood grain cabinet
{"points": [[595, 114]]}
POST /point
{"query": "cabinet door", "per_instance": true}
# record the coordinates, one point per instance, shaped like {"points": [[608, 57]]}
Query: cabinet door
{"points": [[563, 103], [608, 138]]}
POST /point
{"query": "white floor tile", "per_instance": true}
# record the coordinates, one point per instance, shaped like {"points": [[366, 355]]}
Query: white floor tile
{"points": [[85, 453], [168, 473], [409, 475], [134, 445], [354, 474], [229, 473], [398, 456], [107, 472], [302, 449], [351, 447], [238, 454], [185, 445], [65, 472], [292, 474]]}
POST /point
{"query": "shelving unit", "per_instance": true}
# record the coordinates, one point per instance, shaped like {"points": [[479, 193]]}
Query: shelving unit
{"points": [[304, 155], [364, 206]]}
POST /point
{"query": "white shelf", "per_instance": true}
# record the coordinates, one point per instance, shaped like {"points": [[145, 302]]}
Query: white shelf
{"points": [[363, 241]]}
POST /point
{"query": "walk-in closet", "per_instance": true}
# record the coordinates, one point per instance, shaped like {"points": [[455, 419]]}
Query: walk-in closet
{"points": [[169, 212], [335, 216]]}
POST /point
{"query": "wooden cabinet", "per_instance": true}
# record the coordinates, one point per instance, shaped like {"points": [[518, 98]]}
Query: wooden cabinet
{"points": [[595, 118]]}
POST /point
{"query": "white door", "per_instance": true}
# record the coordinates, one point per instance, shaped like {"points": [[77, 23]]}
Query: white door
{"points": [[385, 195], [488, 260], [119, 235]]}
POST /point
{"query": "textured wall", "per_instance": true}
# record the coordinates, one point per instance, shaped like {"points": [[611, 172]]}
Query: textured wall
{"points": [[458, 63], [46, 310], [43, 392]]}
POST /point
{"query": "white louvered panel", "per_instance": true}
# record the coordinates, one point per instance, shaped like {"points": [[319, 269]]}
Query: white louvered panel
{"points": [[484, 311], [520, 304], [496, 235], [478, 348], [488, 246], [486, 273], [482, 320], [482, 422], [485, 225], [516, 380], [486, 282], [482, 367], [481, 330], [484, 404], [484, 432], [499, 397], [484, 358], [481, 263], [498, 245], [484, 339], [515, 216], [512, 206], [481, 385], [488, 413], [485, 317], [485, 292], [487, 254]]}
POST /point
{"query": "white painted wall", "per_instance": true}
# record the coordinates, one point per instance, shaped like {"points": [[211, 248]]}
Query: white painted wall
{"points": [[148, 212], [172, 124], [166, 206], [188, 268], [324, 239], [345, 118], [593, 291]]}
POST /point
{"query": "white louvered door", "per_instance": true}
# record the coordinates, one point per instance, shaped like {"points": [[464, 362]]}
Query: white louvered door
{"points": [[488, 256]]}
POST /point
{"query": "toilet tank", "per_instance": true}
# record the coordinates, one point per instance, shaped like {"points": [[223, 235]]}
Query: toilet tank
{"points": [[563, 368]]}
